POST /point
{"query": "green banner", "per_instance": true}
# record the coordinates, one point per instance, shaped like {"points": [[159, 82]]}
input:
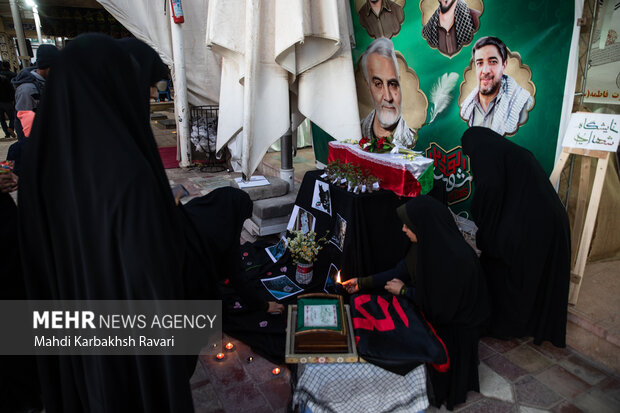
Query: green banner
{"points": [[435, 62]]}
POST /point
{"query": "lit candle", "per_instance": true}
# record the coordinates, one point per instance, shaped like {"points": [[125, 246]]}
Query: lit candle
{"points": [[230, 346], [250, 359], [219, 356], [338, 278], [275, 371]]}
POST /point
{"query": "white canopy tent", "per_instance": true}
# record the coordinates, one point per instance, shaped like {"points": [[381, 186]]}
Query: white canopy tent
{"points": [[281, 56], [278, 57], [149, 22]]}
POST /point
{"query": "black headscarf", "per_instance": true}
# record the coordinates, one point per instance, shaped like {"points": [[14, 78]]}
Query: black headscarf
{"points": [[524, 236], [449, 282], [218, 218], [147, 62], [98, 221]]}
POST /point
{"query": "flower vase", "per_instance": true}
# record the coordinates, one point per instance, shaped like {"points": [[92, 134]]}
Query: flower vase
{"points": [[303, 275]]}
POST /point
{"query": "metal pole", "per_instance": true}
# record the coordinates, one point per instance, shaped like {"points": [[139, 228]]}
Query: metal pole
{"points": [[287, 172], [180, 93], [19, 32], [37, 23]]}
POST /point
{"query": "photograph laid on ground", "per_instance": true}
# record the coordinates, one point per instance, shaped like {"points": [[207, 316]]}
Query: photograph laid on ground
{"points": [[448, 25], [281, 286], [321, 199], [301, 220], [391, 103], [497, 91]]}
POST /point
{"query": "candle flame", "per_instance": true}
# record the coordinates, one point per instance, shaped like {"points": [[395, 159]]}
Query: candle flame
{"points": [[338, 278], [275, 371], [220, 356], [229, 346]]}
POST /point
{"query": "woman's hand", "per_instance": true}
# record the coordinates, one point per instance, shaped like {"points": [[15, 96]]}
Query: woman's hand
{"points": [[8, 182], [394, 286], [351, 286], [275, 307]]}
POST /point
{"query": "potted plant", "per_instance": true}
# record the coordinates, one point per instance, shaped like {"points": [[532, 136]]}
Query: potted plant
{"points": [[304, 248]]}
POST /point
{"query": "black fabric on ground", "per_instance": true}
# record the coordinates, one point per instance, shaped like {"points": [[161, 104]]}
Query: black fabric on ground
{"points": [[524, 236], [391, 333], [243, 319], [452, 294], [98, 221]]}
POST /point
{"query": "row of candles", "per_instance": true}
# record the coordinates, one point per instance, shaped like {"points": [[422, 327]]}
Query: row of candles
{"points": [[231, 347]]}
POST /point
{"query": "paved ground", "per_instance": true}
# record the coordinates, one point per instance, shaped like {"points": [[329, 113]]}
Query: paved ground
{"points": [[515, 376]]}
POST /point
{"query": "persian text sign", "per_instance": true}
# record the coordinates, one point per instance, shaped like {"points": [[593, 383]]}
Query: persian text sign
{"points": [[594, 131], [452, 168]]}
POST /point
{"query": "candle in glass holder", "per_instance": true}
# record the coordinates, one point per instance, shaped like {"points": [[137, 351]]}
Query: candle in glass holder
{"points": [[275, 371], [230, 346], [219, 356]]}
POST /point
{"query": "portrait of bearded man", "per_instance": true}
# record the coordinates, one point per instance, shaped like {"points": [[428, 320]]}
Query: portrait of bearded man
{"points": [[451, 26]]}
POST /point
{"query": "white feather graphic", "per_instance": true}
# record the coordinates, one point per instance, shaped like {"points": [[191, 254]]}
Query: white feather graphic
{"points": [[441, 93]]}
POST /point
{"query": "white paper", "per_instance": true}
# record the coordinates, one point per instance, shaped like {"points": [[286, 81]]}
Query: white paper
{"points": [[320, 315], [258, 180], [595, 131]]}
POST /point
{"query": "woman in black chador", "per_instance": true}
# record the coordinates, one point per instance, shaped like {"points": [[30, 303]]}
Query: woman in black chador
{"points": [[524, 236], [98, 221], [441, 273]]}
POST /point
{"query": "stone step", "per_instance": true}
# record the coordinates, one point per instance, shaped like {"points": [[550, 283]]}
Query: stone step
{"points": [[264, 227], [274, 207], [158, 116], [247, 237], [277, 187], [166, 124]]}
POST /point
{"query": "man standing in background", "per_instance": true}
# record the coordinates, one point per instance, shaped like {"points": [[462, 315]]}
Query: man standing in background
{"points": [[7, 100]]}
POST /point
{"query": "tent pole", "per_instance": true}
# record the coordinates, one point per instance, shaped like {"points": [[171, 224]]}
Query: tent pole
{"points": [[180, 93], [19, 31], [287, 172]]}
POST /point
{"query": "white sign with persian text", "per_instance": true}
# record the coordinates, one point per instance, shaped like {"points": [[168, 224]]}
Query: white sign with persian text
{"points": [[595, 131]]}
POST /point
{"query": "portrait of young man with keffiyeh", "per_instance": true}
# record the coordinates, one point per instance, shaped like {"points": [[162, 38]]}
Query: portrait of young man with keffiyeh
{"points": [[451, 26], [498, 102]]}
